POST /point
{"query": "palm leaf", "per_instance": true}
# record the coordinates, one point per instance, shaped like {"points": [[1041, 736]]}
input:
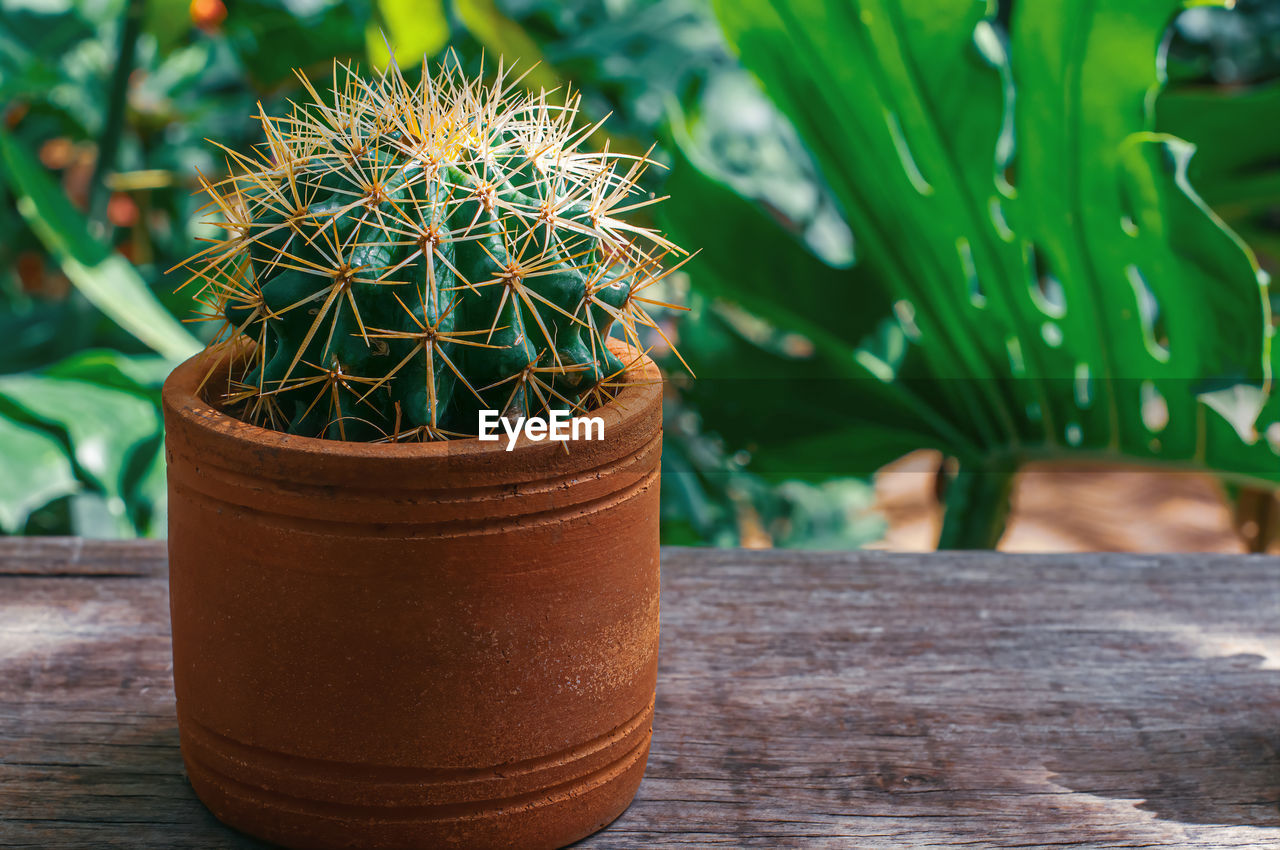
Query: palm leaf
{"points": [[1237, 135], [1063, 288]]}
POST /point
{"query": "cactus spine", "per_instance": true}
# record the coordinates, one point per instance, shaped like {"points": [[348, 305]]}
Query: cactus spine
{"points": [[404, 256]]}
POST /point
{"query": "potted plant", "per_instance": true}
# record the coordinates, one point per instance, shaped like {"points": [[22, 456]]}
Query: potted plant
{"points": [[392, 628]]}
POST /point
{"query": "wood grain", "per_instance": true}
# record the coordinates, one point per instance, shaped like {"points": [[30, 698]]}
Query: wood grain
{"points": [[861, 700]]}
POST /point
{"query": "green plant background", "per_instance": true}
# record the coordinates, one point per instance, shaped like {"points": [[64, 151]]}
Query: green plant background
{"points": [[989, 229]]}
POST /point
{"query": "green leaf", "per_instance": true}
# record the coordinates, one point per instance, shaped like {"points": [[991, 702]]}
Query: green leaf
{"points": [[1236, 168], [413, 28], [146, 488], [104, 277], [140, 375], [824, 302], [1063, 288], [841, 418], [167, 23], [709, 497], [271, 38], [152, 497], [488, 25], [844, 417], [34, 470], [92, 515], [102, 426]]}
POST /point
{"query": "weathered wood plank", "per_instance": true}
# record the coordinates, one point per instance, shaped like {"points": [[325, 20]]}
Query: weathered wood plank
{"points": [[813, 700], [73, 556]]}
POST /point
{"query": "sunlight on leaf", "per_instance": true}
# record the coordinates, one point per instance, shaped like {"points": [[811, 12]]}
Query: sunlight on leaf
{"points": [[105, 278]]}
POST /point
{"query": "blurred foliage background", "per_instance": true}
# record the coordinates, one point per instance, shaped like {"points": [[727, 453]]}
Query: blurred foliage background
{"points": [[106, 107]]}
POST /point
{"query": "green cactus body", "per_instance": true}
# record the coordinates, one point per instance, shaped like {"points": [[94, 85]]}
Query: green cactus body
{"points": [[405, 256]]}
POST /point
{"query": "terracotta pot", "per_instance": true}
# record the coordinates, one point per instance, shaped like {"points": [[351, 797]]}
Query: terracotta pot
{"points": [[426, 645]]}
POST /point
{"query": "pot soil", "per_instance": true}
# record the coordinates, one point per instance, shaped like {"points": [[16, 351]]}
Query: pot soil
{"points": [[413, 645]]}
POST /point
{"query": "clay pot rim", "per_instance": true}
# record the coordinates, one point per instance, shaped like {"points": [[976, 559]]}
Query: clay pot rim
{"points": [[641, 392]]}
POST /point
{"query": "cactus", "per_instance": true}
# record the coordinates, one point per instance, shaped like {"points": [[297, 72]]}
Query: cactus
{"points": [[403, 256]]}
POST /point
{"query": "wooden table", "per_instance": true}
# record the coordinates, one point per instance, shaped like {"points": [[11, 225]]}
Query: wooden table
{"points": [[859, 700]]}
